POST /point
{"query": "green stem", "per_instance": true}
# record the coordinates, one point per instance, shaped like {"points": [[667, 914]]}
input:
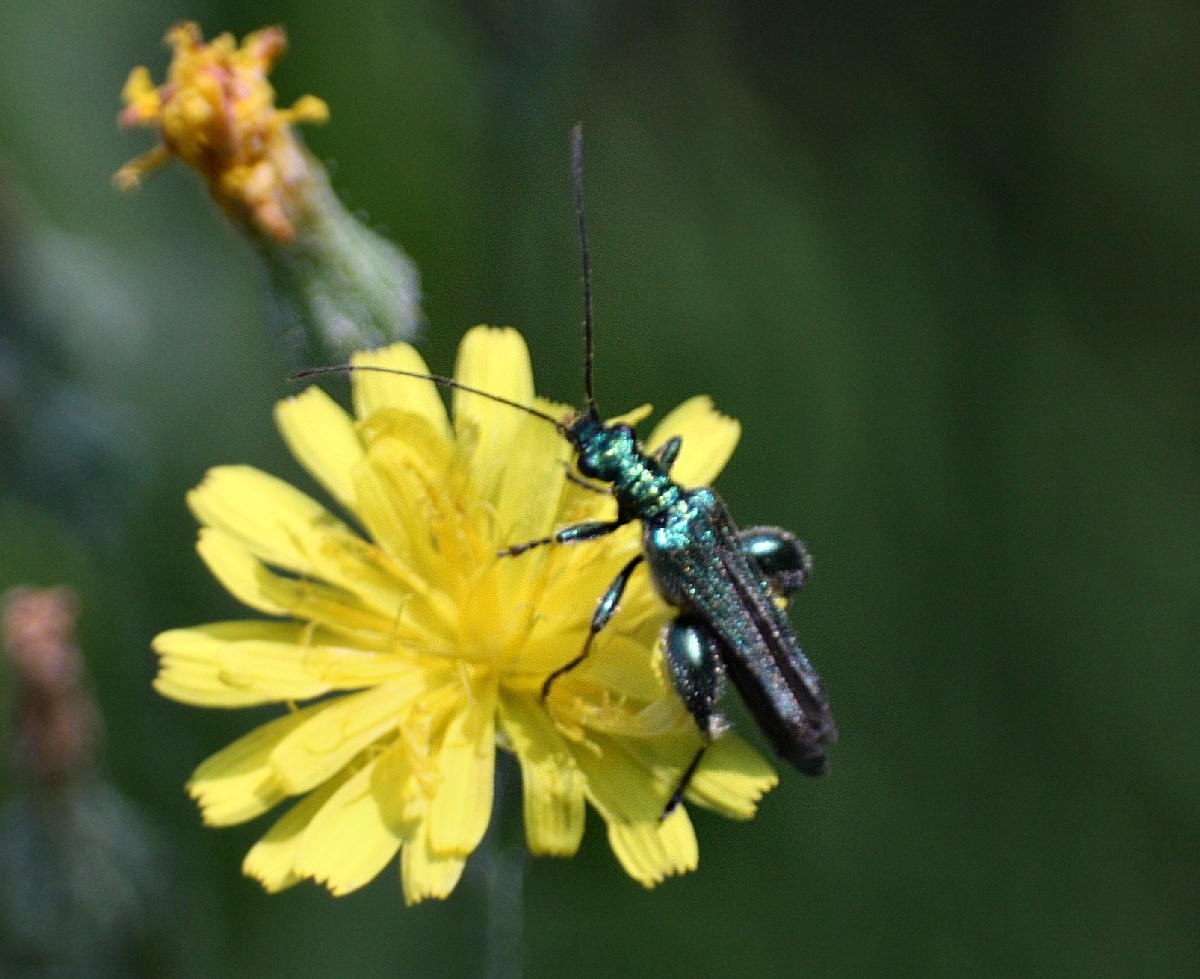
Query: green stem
{"points": [[502, 875]]}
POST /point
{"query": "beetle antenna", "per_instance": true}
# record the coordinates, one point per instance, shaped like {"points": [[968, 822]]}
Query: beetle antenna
{"points": [[446, 382], [577, 176]]}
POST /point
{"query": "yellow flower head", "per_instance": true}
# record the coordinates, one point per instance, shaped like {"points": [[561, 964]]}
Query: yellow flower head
{"points": [[216, 112], [407, 650]]}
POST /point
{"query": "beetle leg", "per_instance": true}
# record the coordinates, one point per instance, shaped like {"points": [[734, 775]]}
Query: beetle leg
{"points": [[604, 611], [780, 555]]}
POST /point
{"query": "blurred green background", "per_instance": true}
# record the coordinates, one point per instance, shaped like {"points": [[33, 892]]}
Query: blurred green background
{"points": [[941, 261]]}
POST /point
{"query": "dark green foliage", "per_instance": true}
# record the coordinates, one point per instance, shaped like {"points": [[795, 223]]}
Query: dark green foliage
{"points": [[939, 259]]}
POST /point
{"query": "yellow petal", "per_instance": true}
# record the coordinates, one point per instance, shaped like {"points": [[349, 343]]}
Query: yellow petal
{"points": [[494, 360], [651, 851], [633, 417], [238, 783], [395, 483], [141, 96], [307, 108], [252, 583], [413, 439], [620, 785], [570, 582], [551, 785], [375, 389], [265, 513], [337, 730], [732, 778], [272, 860], [130, 176], [322, 438], [287, 529], [237, 570], [528, 491], [272, 519], [462, 803], [623, 665], [237, 664], [709, 439], [348, 841], [661, 734], [526, 499], [426, 873], [215, 666]]}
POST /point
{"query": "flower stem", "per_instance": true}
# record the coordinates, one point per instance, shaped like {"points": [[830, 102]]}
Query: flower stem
{"points": [[502, 875]]}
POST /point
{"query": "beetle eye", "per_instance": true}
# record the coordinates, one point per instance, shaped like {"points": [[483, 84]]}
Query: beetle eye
{"points": [[585, 467]]}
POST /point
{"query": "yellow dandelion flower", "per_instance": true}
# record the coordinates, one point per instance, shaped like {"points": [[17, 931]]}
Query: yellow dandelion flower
{"points": [[407, 650], [217, 113]]}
